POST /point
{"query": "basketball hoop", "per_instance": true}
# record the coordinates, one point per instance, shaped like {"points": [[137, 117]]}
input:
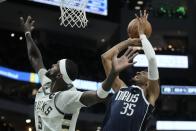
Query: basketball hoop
{"points": [[73, 13], [1, 1]]}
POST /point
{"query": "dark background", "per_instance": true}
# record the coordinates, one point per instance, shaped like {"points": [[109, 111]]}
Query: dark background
{"points": [[85, 46]]}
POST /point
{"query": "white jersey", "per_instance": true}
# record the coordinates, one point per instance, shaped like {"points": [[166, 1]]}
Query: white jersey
{"points": [[56, 111]]}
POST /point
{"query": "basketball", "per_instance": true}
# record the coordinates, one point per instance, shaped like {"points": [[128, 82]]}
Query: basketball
{"points": [[132, 29]]}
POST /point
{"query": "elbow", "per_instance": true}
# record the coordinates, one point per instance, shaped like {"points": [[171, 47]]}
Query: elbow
{"points": [[104, 57]]}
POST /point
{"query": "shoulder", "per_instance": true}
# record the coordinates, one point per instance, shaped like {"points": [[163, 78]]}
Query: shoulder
{"points": [[70, 94], [143, 95], [42, 70]]}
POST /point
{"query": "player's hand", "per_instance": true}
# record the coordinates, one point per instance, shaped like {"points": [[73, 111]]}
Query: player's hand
{"points": [[142, 20], [125, 61], [28, 25], [134, 42]]}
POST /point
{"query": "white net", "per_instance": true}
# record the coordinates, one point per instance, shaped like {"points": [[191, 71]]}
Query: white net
{"points": [[73, 13], [1, 1]]}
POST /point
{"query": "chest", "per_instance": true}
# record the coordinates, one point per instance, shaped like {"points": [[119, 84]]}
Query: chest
{"points": [[44, 104], [128, 103]]}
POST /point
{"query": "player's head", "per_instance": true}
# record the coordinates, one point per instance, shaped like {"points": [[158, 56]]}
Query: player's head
{"points": [[127, 75], [64, 71], [141, 78]]}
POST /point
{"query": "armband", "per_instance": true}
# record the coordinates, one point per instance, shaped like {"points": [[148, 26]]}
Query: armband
{"points": [[28, 32], [101, 93]]}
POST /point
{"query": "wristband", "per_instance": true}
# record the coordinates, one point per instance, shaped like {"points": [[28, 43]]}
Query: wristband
{"points": [[28, 32], [101, 93]]}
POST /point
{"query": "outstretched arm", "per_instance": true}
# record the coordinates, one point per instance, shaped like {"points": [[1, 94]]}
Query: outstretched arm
{"points": [[33, 51], [107, 59], [153, 74], [118, 64]]}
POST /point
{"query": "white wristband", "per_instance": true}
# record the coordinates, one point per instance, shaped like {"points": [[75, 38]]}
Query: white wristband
{"points": [[28, 32], [101, 93]]}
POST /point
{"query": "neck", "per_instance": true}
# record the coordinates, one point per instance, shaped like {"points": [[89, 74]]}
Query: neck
{"points": [[59, 85], [143, 87]]}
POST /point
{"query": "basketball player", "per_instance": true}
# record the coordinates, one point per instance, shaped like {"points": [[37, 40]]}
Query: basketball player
{"points": [[57, 103], [130, 105]]}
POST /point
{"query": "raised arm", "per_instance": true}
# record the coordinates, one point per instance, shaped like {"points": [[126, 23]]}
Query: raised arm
{"points": [[33, 51], [118, 64], [153, 74], [107, 59]]}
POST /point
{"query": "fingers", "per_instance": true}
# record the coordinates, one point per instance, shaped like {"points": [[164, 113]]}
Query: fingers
{"points": [[131, 53], [134, 62], [116, 54], [131, 64], [133, 56], [28, 19], [32, 23], [128, 51], [139, 18], [32, 27], [141, 13], [136, 16], [120, 49], [145, 15], [138, 48], [134, 41], [27, 25], [22, 20]]}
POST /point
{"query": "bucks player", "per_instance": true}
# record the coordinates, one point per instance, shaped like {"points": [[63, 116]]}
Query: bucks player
{"points": [[57, 102], [131, 105]]}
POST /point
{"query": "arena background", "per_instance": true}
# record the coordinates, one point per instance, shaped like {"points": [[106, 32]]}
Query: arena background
{"points": [[174, 33]]}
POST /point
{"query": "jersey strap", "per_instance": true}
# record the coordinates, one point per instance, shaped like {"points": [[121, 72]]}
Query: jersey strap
{"points": [[67, 117], [56, 106]]}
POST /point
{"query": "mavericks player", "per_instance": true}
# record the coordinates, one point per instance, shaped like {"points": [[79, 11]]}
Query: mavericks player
{"points": [[57, 102], [130, 106]]}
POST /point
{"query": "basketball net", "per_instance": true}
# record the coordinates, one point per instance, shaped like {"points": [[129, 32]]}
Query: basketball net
{"points": [[1, 1], [73, 13]]}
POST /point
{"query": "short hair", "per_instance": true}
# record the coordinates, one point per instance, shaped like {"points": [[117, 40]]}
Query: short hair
{"points": [[72, 69]]}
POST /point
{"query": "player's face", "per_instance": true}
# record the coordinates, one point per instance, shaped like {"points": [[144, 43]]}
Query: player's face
{"points": [[53, 71], [141, 78]]}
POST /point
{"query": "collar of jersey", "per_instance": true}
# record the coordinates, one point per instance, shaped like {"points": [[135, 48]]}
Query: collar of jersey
{"points": [[72, 89]]}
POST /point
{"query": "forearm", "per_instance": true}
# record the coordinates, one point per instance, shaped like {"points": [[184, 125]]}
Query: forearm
{"points": [[107, 84], [109, 54], [32, 49], [91, 97], [150, 55], [34, 54]]}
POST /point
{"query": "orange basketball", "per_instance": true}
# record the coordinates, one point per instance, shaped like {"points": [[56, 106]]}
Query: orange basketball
{"points": [[132, 29]]}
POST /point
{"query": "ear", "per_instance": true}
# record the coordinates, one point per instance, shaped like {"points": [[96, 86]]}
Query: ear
{"points": [[147, 83], [59, 76]]}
